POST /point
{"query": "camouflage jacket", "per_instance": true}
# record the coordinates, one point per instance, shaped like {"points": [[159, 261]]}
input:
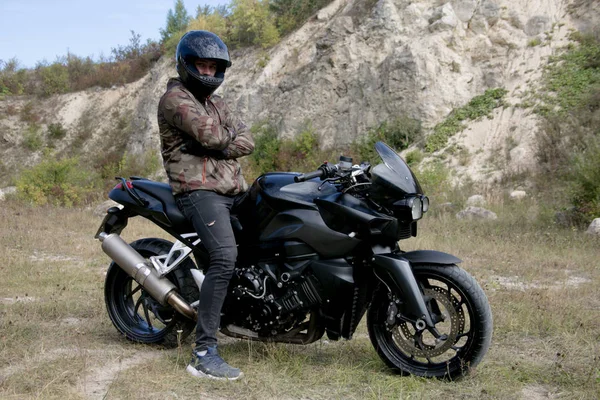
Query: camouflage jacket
{"points": [[201, 142]]}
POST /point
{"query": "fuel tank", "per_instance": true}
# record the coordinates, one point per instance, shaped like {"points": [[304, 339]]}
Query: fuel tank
{"points": [[277, 209]]}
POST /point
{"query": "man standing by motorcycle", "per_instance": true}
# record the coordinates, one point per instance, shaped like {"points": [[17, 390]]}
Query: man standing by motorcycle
{"points": [[201, 140]]}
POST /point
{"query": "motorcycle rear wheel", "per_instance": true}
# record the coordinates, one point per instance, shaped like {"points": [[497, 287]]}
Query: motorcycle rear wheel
{"points": [[460, 310], [136, 314]]}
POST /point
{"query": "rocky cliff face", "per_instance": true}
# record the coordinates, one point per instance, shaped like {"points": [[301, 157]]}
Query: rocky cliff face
{"points": [[355, 64]]}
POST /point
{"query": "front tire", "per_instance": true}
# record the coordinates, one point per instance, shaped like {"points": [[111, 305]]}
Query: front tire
{"points": [[460, 311], [136, 314]]}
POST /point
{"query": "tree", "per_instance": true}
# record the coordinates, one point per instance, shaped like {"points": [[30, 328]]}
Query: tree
{"points": [[252, 24], [210, 19], [177, 21]]}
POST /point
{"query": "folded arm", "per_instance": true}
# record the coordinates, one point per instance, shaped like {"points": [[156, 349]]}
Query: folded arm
{"points": [[183, 113]]}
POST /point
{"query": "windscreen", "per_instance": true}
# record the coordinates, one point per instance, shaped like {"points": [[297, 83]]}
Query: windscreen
{"points": [[394, 174]]}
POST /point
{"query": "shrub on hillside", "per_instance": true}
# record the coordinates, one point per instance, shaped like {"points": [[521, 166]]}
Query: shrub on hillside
{"points": [[251, 23], [12, 78], [54, 78], [568, 145], [32, 139], [290, 14], [56, 131], [398, 133], [479, 106], [59, 182], [300, 154], [28, 114], [586, 180], [71, 73], [434, 179], [266, 148]]}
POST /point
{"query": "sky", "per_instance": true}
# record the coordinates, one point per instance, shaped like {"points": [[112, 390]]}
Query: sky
{"points": [[36, 30]]}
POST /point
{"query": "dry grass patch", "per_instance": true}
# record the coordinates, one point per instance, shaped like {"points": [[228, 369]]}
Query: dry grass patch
{"points": [[56, 340]]}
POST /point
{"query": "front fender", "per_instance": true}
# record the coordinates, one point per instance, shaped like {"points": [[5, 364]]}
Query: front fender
{"points": [[396, 272], [430, 257]]}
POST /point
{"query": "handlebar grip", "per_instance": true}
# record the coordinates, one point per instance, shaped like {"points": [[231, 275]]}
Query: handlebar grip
{"points": [[310, 175]]}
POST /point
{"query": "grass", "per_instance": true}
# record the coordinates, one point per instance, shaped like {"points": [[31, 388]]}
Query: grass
{"points": [[56, 340]]}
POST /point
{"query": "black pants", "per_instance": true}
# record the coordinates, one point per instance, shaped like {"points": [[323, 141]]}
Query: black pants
{"points": [[209, 212]]}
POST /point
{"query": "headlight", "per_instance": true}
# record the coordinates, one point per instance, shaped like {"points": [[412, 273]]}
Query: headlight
{"points": [[425, 201], [409, 209], [416, 208]]}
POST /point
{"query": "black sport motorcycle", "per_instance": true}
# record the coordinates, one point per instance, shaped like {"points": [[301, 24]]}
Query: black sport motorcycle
{"points": [[314, 255]]}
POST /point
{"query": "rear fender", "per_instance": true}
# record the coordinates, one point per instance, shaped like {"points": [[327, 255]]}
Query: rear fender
{"points": [[396, 272], [114, 221]]}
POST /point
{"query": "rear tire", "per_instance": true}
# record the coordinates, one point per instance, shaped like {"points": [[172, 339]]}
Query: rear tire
{"points": [[461, 311], [136, 314]]}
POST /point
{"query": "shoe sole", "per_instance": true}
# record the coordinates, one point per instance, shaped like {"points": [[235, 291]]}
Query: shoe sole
{"points": [[199, 374]]}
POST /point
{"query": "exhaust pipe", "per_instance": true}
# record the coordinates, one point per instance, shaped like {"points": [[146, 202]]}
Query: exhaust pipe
{"points": [[136, 266]]}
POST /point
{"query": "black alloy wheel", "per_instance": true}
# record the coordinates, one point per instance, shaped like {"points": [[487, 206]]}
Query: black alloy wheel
{"points": [[461, 315], [136, 314]]}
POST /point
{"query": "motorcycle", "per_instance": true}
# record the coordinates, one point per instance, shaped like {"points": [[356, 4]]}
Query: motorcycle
{"points": [[316, 251]]}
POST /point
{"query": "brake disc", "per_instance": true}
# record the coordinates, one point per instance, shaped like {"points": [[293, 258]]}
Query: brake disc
{"points": [[411, 341]]}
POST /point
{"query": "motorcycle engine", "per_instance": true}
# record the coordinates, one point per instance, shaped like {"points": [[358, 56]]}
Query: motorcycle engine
{"points": [[264, 301]]}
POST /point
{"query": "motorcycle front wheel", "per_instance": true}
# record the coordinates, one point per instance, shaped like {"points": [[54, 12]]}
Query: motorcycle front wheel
{"points": [[136, 314], [462, 317]]}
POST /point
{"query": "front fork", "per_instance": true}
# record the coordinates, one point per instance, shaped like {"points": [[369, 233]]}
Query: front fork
{"points": [[396, 273]]}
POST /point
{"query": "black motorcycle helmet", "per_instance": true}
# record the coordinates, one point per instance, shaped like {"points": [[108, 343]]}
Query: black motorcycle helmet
{"points": [[201, 44]]}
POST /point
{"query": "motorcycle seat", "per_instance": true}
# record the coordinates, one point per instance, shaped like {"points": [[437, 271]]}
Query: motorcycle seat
{"points": [[163, 193]]}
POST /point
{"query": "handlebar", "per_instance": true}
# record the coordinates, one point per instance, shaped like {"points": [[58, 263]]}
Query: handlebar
{"points": [[324, 171], [309, 175]]}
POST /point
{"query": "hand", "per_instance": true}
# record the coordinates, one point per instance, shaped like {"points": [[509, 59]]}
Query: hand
{"points": [[196, 149]]}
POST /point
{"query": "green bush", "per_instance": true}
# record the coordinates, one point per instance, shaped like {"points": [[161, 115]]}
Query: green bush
{"points": [[398, 133], [300, 154], [413, 157], [434, 179], [54, 78], [586, 180], [12, 78], [56, 131], [266, 148], [82, 72], [479, 106], [290, 14], [32, 138], [28, 114], [251, 23], [59, 182], [570, 77], [568, 145], [145, 164]]}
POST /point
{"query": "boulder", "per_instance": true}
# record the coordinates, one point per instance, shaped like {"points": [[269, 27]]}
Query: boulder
{"points": [[518, 195], [594, 228], [7, 190], [476, 213], [536, 25], [443, 19], [476, 200]]}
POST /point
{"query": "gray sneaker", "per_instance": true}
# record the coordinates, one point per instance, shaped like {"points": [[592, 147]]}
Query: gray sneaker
{"points": [[211, 365]]}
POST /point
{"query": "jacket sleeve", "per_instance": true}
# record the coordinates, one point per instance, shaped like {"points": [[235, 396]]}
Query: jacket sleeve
{"points": [[243, 144], [181, 112]]}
